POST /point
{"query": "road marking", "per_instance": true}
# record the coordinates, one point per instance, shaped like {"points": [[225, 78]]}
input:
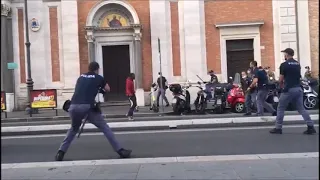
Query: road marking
{"points": [[161, 160], [155, 131]]}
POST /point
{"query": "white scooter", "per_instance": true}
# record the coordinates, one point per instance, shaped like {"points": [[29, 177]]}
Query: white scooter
{"points": [[310, 97]]}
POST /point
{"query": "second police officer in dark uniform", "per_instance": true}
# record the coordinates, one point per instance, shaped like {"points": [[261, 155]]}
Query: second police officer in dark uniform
{"points": [[261, 79], [290, 74], [83, 106]]}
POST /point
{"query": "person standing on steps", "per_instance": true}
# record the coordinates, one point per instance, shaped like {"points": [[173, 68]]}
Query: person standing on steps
{"points": [[261, 81], [251, 95], [130, 92], [163, 86], [290, 74], [83, 106]]}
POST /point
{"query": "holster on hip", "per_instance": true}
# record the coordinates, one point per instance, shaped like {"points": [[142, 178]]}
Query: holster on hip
{"points": [[96, 107]]}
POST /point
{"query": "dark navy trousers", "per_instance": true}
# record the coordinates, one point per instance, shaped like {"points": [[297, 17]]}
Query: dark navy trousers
{"points": [[77, 113]]}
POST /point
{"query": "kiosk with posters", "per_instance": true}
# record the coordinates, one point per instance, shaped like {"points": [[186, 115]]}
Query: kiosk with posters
{"points": [[44, 99]]}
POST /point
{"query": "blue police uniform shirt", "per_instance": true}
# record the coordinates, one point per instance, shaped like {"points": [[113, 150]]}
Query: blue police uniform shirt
{"points": [[87, 88], [262, 76], [291, 70]]}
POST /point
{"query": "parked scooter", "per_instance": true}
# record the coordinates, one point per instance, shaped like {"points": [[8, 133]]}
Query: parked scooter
{"points": [[236, 99], [310, 97], [219, 99], [153, 97], [181, 98], [201, 102], [273, 94]]}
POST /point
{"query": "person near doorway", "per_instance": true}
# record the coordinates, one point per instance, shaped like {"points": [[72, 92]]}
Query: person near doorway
{"points": [[213, 77], [163, 86], [83, 106], [270, 73], [290, 74], [251, 95], [130, 92], [261, 80], [245, 80]]}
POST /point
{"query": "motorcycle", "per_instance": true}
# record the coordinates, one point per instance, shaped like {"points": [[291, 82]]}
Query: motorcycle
{"points": [[200, 103], [181, 98], [273, 94], [153, 94], [310, 97]]}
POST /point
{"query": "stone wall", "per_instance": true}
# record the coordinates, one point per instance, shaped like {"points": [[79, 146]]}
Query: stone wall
{"points": [[314, 35]]}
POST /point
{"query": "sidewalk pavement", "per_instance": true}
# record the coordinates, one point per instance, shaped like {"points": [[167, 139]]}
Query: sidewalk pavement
{"points": [[158, 125], [268, 166]]}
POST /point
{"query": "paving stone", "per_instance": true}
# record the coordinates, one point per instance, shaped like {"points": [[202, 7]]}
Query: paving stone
{"points": [[307, 167], [117, 168], [161, 171], [116, 175], [26, 173], [75, 172], [259, 169]]}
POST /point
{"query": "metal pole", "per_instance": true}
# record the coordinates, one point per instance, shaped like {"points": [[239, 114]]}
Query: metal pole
{"points": [[160, 75], [297, 29], [28, 44]]}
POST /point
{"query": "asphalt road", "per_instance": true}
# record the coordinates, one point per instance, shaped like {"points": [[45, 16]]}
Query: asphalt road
{"points": [[8, 123], [163, 144]]}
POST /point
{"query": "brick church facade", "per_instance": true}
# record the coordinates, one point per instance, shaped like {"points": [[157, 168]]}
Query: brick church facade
{"points": [[195, 36]]}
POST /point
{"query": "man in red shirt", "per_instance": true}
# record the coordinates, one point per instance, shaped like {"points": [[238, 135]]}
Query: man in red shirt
{"points": [[130, 92]]}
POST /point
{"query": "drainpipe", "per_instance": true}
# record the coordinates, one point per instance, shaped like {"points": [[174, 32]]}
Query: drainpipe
{"points": [[297, 28]]}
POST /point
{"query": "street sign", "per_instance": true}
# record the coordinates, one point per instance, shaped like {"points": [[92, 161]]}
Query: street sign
{"points": [[12, 65]]}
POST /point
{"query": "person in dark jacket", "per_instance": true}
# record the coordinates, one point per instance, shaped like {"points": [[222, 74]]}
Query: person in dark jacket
{"points": [[130, 92], [245, 80], [251, 96], [162, 84], [213, 77]]}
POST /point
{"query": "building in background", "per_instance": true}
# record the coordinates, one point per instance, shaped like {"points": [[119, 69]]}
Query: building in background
{"points": [[314, 36], [195, 36]]}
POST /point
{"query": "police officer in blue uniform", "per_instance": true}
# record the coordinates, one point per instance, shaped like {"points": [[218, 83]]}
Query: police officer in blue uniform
{"points": [[261, 81], [83, 106], [290, 75]]}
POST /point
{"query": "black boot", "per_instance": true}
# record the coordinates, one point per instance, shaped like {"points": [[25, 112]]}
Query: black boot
{"points": [[247, 114], [60, 155], [274, 113], [276, 131], [124, 153], [310, 130]]}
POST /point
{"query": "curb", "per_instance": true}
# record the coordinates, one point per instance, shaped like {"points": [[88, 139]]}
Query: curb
{"points": [[157, 125], [183, 159], [107, 116], [143, 116]]}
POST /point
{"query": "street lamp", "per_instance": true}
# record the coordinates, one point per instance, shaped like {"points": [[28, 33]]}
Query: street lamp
{"points": [[28, 44]]}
